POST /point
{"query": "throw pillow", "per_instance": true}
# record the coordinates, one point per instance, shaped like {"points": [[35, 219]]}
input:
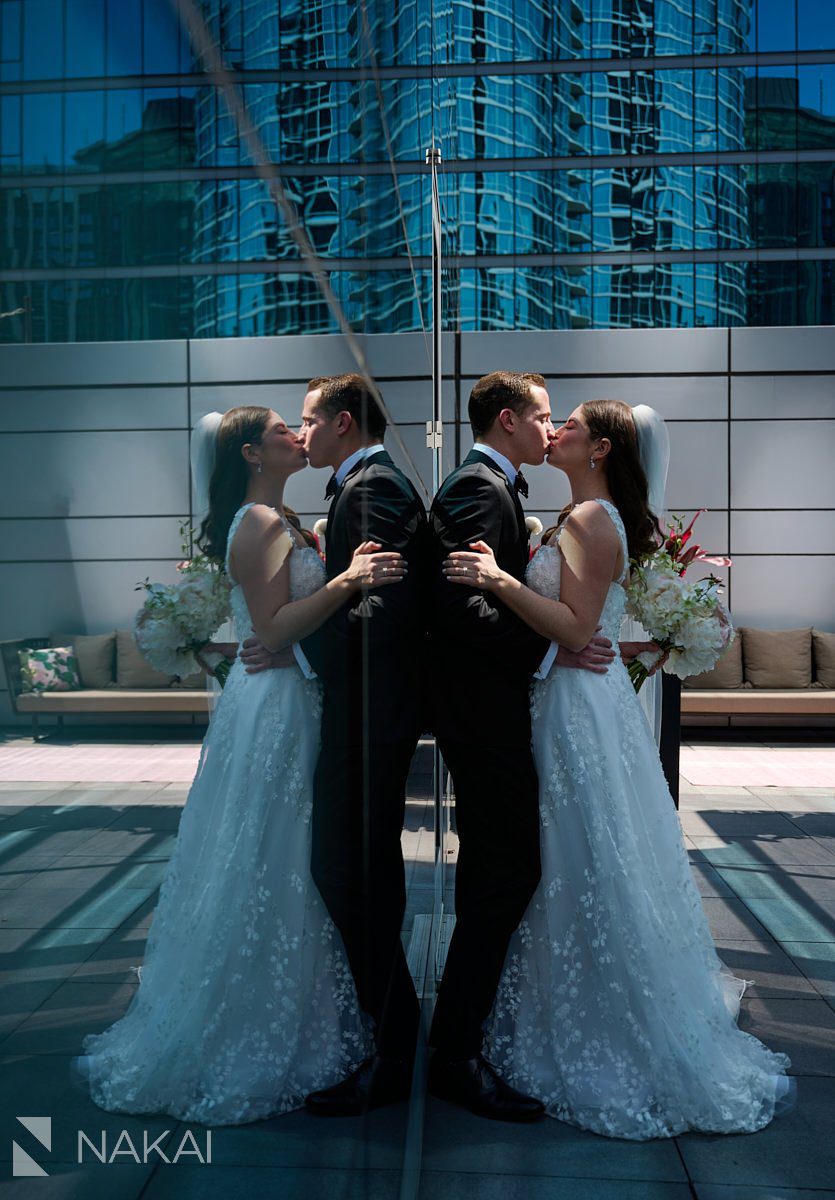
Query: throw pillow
{"points": [[95, 654], [823, 645], [54, 669], [777, 658], [726, 674]]}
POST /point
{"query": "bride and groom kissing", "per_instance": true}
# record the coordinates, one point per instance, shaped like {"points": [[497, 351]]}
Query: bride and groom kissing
{"points": [[581, 978]]}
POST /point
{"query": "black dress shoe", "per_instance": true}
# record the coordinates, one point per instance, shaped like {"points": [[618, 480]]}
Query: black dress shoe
{"points": [[474, 1084], [375, 1083]]}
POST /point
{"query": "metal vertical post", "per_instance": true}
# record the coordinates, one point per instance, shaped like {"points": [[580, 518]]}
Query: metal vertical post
{"points": [[434, 441]]}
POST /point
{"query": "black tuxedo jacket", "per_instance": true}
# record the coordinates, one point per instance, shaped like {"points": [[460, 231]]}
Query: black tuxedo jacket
{"points": [[482, 655], [370, 654]]}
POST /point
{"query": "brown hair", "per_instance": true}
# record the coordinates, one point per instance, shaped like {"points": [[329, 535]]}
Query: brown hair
{"points": [[625, 476], [230, 476], [498, 390], [351, 394]]}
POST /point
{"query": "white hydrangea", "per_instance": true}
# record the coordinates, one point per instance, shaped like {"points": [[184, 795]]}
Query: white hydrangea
{"points": [[178, 619]]}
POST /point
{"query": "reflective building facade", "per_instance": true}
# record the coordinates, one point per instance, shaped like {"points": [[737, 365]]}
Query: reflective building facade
{"points": [[607, 164]]}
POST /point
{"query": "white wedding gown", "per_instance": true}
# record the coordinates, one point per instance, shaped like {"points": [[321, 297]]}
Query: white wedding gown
{"points": [[246, 1001], [614, 1008]]}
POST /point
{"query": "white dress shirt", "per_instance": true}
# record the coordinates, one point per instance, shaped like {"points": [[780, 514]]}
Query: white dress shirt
{"points": [[348, 465], [511, 472]]}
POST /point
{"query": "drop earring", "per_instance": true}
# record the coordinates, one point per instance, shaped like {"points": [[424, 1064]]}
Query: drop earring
{"points": [[258, 469], [592, 464]]}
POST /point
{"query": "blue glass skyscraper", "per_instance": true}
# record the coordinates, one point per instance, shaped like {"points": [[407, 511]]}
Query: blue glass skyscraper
{"points": [[606, 163]]}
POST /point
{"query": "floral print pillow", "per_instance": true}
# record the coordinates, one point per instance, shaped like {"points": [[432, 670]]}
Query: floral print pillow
{"points": [[54, 669]]}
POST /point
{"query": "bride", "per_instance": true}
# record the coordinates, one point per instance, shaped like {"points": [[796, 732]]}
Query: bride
{"points": [[246, 1002], [614, 1007]]}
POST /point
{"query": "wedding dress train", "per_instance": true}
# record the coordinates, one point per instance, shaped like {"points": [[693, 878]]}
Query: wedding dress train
{"points": [[614, 1008], [246, 1001]]}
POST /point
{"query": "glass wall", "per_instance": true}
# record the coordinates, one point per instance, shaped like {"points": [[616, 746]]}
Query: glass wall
{"points": [[130, 206]]}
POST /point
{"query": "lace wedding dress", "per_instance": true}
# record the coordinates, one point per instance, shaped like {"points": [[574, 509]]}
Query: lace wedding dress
{"points": [[614, 1008], [246, 1001]]}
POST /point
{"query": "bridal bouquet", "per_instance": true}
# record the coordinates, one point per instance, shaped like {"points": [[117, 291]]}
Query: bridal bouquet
{"points": [[687, 620], [177, 620]]}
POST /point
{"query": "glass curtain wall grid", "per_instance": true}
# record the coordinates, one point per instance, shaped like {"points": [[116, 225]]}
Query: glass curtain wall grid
{"points": [[606, 163]]}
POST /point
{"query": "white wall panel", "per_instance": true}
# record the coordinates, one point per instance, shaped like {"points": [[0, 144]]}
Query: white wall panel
{"points": [[597, 352], [784, 593], [93, 408], [81, 597], [63, 539], [798, 349], [63, 365], [783, 532], [698, 475], [778, 397], [686, 398], [786, 464]]}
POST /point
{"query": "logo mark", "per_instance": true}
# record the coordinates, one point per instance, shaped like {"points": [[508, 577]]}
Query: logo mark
{"points": [[41, 1130]]}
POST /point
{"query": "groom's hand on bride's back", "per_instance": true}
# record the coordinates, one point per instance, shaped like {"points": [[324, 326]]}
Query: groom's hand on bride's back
{"points": [[597, 656], [257, 658]]}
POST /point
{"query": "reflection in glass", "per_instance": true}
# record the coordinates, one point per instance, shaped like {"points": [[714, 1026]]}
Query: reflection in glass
{"points": [[773, 96], [10, 134], [83, 131], [704, 306], [84, 48], [673, 296], [611, 208], [124, 37], [43, 39], [816, 293], [815, 25], [11, 40], [816, 204], [772, 204], [775, 25], [772, 293], [42, 132], [674, 208], [674, 111], [816, 106]]}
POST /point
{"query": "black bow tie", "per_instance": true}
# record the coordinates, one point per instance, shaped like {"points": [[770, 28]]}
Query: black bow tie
{"points": [[330, 490], [520, 484]]}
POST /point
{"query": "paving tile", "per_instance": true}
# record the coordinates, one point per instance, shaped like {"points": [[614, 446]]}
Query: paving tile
{"points": [[730, 918], [33, 906], [795, 1151], [119, 1181], [70, 816], [720, 1191], [791, 918], [767, 966], [129, 843], [708, 880], [795, 801], [73, 1010], [752, 852], [769, 880], [213, 1182], [449, 1185], [735, 823], [815, 824], [802, 1028], [149, 817], [457, 1141], [817, 962], [296, 1140]]}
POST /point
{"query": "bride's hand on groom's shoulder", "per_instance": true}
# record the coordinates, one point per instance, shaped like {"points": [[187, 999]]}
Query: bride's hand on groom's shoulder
{"points": [[476, 567], [597, 656]]}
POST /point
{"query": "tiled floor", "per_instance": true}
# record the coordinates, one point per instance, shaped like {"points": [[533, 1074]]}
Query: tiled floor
{"points": [[80, 862]]}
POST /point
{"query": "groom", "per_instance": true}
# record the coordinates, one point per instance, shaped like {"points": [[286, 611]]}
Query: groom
{"points": [[369, 657], [483, 657]]}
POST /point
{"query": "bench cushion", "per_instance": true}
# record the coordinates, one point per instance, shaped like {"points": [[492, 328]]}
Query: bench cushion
{"points": [[110, 700], [823, 645], [760, 701], [777, 658]]}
